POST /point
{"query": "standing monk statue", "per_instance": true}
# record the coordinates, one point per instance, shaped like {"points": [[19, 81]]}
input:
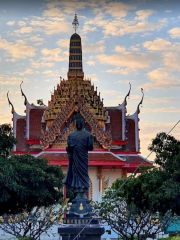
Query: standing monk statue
{"points": [[78, 144]]}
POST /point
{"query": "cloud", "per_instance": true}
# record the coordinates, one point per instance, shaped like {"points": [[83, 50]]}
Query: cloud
{"points": [[9, 81], [91, 63], [143, 14], [86, 29], [54, 74], [41, 64], [48, 72], [135, 48], [93, 78], [158, 44], [36, 39], [121, 27], [17, 50], [51, 27], [11, 60], [161, 79], [168, 11], [6, 117], [10, 23], [55, 54], [109, 92], [174, 32], [142, 27], [21, 23], [130, 60], [172, 60], [28, 71], [117, 9], [24, 30], [97, 47], [149, 130], [151, 101], [161, 110], [63, 43], [119, 49], [68, 7], [123, 71], [53, 12], [3, 99]]}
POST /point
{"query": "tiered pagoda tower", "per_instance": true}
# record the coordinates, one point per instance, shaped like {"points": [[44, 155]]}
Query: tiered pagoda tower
{"points": [[43, 131]]}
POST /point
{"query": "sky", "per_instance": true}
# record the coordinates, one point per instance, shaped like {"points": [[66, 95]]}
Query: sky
{"points": [[123, 42]]}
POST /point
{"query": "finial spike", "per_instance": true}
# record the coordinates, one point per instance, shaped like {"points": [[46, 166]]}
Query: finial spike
{"points": [[75, 22]]}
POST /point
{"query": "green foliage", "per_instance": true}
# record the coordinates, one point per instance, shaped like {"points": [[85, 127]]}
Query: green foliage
{"points": [[168, 238], [26, 181], [7, 139], [157, 188], [175, 238]]}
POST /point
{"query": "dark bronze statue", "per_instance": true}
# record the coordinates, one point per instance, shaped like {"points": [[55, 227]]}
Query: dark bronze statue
{"points": [[78, 144]]}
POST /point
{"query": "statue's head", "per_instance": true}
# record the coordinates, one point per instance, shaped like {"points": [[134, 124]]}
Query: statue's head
{"points": [[79, 124]]}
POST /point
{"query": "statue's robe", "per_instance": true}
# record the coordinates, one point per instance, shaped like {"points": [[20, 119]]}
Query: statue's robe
{"points": [[79, 142]]}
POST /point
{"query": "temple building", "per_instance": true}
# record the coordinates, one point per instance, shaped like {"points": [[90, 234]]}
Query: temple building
{"points": [[43, 130]]}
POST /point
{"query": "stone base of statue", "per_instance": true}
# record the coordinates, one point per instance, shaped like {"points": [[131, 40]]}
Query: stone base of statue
{"points": [[79, 223]]}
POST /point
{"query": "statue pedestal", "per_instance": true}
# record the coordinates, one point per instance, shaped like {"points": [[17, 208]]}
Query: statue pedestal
{"points": [[78, 219], [90, 232], [80, 208]]}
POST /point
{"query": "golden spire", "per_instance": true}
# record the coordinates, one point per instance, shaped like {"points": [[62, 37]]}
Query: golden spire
{"points": [[75, 22]]}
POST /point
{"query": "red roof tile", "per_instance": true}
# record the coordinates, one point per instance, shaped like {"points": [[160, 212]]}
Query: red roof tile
{"points": [[92, 156]]}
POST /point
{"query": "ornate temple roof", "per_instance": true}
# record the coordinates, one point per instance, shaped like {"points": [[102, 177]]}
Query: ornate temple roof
{"points": [[46, 128]]}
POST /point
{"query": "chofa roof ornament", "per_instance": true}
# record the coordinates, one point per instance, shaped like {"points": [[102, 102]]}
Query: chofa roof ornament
{"points": [[25, 98], [128, 94], [10, 103], [138, 108]]}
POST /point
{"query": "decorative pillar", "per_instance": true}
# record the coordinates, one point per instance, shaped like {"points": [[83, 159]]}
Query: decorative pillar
{"points": [[124, 173], [99, 177]]}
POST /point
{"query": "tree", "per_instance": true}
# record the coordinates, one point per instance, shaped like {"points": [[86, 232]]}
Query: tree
{"points": [[7, 139], [157, 188], [32, 224], [26, 182], [127, 221]]}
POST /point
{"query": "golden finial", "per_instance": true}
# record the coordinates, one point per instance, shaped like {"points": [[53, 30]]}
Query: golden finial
{"points": [[75, 22]]}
